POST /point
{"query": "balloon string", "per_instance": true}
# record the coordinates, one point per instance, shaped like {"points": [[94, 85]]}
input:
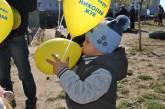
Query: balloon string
{"points": [[59, 13], [60, 27], [67, 48]]}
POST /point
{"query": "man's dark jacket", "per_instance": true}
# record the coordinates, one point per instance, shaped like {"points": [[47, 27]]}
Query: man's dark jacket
{"points": [[22, 6]]}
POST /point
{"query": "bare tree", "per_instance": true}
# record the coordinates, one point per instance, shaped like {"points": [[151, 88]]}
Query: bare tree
{"points": [[139, 25]]}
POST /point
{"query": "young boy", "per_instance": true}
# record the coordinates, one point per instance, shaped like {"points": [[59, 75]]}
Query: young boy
{"points": [[93, 82]]}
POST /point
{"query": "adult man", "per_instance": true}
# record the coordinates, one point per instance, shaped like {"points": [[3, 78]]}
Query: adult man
{"points": [[160, 15], [15, 46], [132, 17], [123, 11]]}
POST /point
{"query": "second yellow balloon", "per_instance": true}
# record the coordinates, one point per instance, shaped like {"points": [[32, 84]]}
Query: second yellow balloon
{"points": [[61, 48]]}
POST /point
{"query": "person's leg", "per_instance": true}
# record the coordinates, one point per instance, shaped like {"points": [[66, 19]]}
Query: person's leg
{"points": [[5, 79], [19, 52], [161, 20], [132, 23]]}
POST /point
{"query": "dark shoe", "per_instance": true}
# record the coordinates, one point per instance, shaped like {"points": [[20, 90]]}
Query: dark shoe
{"points": [[31, 107], [13, 103], [31, 103]]}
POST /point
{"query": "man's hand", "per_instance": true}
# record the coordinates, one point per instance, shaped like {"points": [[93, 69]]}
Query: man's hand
{"points": [[57, 64]]}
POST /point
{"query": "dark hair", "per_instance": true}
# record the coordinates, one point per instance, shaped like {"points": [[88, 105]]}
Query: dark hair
{"points": [[79, 39]]}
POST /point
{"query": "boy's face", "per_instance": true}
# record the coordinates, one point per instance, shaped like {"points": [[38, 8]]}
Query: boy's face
{"points": [[89, 49]]}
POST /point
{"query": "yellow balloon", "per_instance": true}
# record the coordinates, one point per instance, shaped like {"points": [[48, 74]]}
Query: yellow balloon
{"points": [[17, 18], [83, 15], [6, 19], [60, 47]]}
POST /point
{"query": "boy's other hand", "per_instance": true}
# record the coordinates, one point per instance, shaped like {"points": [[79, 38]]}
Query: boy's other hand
{"points": [[57, 64]]}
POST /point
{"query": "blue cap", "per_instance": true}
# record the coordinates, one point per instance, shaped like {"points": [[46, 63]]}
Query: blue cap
{"points": [[106, 36]]}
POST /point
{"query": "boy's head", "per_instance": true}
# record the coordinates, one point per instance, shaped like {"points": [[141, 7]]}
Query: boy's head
{"points": [[106, 37]]}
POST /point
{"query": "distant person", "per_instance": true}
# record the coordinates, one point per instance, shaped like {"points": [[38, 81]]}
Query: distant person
{"points": [[132, 17], [123, 11], [160, 15], [92, 84]]}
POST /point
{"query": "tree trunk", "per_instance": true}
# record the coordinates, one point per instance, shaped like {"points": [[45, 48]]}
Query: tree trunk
{"points": [[139, 25]]}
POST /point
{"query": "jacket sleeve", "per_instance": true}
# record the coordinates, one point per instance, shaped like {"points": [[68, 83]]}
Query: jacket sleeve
{"points": [[89, 90]]}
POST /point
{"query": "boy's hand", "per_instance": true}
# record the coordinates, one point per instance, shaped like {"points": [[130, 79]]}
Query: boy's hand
{"points": [[57, 64]]}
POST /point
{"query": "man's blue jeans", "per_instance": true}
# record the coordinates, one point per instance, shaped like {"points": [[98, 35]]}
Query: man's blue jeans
{"points": [[17, 49]]}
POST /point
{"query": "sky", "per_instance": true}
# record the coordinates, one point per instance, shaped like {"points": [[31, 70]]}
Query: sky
{"points": [[162, 2]]}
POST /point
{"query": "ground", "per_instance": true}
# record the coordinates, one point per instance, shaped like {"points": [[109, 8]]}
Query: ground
{"points": [[144, 87]]}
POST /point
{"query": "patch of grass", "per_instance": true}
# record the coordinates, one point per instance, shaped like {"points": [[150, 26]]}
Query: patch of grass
{"points": [[158, 88], [133, 51], [51, 99], [150, 96], [142, 59], [144, 51], [161, 67], [142, 86], [163, 83], [163, 74], [122, 83], [60, 108], [150, 65], [124, 104], [61, 95], [124, 91], [130, 72], [152, 100], [152, 104], [120, 86], [145, 77], [140, 99]]}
